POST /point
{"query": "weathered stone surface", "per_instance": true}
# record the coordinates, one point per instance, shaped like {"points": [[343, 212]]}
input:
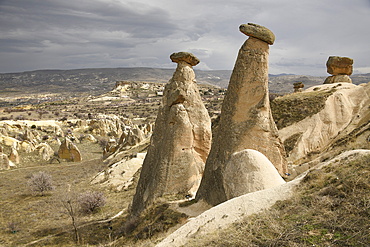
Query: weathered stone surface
{"points": [[298, 87], [339, 65], [246, 121], [249, 171], [45, 151], [259, 32], [14, 156], [184, 56], [4, 162], [337, 78], [179, 145], [345, 114], [69, 151]]}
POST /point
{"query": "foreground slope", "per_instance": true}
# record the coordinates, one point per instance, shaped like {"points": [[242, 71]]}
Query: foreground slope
{"points": [[313, 215]]}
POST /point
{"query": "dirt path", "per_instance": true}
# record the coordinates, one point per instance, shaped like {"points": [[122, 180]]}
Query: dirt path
{"points": [[60, 165]]}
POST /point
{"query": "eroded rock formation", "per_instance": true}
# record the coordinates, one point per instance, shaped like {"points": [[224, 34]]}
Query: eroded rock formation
{"points": [[344, 115], [69, 151], [340, 68], [246, 121], [180, 142], [249, 171], [298, 86]]}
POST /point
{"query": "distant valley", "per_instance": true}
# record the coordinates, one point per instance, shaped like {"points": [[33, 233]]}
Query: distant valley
{"points": [[100, 80]]}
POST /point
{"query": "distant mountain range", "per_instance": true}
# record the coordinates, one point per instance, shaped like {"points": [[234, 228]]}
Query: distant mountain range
{"points": [[99, 80]]}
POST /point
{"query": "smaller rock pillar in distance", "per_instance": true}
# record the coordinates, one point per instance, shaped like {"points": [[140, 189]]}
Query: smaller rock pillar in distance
{"points": [[298, 87]]}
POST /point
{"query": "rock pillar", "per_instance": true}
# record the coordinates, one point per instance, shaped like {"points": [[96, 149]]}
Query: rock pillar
{"points": [[340, 68], [180, 143], [246, 121]]}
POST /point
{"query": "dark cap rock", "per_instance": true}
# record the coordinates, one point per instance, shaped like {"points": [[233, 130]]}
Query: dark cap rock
{"points": [[339, 65], [259, 32], [184, 56]]}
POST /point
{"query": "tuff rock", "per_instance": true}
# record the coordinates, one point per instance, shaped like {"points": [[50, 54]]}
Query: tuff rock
{"points": [[180, 142], [246, 121]]}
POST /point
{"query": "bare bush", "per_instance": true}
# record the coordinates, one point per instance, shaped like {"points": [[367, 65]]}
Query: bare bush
{"points": [[91, 201], [41, 182]]}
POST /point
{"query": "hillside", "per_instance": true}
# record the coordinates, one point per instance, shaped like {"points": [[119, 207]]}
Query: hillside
{"points": [[97, 81]]}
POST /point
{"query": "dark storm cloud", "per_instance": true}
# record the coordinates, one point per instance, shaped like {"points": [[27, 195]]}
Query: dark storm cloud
{"points": [[35, 26], [38, 34]]}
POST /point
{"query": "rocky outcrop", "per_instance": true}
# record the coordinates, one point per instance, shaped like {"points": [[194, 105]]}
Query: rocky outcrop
{"points": [[180, 142], [69, 151], [344, 115], [246, 121], [340, 68], [4, 162], [14, 156], [298, 87], [120, 176], [45, 151]]}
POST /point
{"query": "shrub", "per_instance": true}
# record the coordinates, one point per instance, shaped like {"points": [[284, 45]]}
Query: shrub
{"points": [[91, 201], [41, 182]]}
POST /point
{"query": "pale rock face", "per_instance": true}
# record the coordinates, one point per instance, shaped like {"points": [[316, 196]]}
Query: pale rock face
{"points": [[120, 175], [180, 142], [337, 78], [345, 110], [246, 121], [69, 151], [9, 141], [4, 162], [45, 151], [249, 171], [14, 156]]}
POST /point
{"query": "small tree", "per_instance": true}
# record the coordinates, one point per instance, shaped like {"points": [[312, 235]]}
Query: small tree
{"points": [[41, 182], [91, 201], [69, 204]]}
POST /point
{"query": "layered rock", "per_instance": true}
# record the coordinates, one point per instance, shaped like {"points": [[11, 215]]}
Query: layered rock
{"points": [[345, 114], [180, 142], [340, 68], [246, 121]]}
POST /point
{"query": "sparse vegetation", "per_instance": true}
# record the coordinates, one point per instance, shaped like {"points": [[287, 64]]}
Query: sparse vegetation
{"points": [[314, 217], [295, 107], [154, 220], [331, 208], [91, 201], [40, 182]]}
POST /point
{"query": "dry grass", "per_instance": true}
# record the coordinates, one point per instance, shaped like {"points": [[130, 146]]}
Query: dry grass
{"points": [[331, 208], [35, 217], [295, 107]]}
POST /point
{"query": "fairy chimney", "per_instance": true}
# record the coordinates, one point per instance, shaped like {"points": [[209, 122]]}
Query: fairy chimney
{"points": [[180, 142], [246, 121]]}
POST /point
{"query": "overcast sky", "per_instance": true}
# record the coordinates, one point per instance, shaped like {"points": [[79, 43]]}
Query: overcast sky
{"points": [[71, 34]]}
